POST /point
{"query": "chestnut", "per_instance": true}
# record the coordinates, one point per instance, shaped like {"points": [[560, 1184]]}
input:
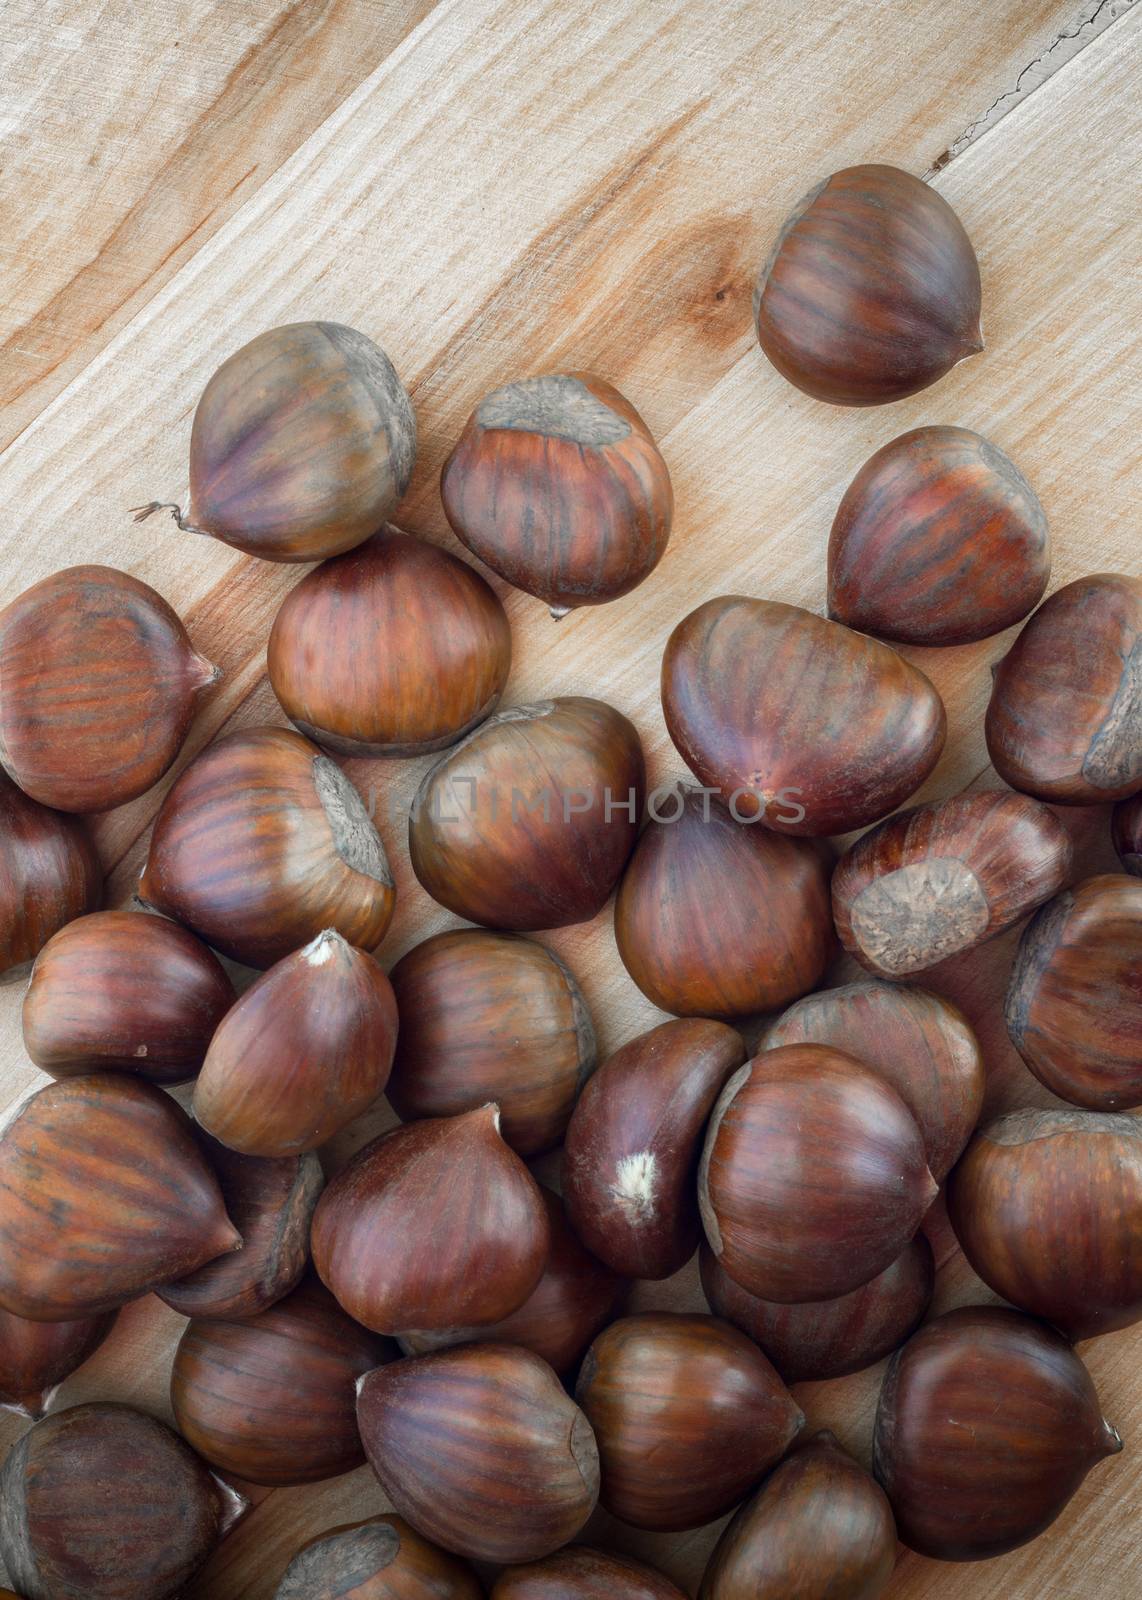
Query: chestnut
{"points": [[104, 1503], [687, 1413], [302, 444], [871, 291], [104, 1195], [819, 1528], [813, 1177], [1074, 1002], [987, 1424], [937, 880], [630, 1159], [529, 821], [35, 1357], [939, 540], [262, 844], [100, 684], [381, 1558], [771, 936], [1062, 722], [272, 1398], [482, 1450], [557, 484], [435, 1226], [489, 1016], [49, 873], [1126, 831], [124, 991], [800, 722], [581, 1573], [394, 649]]}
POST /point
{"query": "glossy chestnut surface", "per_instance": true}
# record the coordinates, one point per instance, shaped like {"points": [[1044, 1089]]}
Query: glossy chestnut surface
{"points": [[393, 649], [49, 873], [987, 1424], [1062, 722], [939, 540], [940, 879], [772, 934], [630, 1158], [581, 1573], [37, 1356], [871, 291], [382, 1558], [1126, 831], [814, 728], [489, 1016], [557, 484]]}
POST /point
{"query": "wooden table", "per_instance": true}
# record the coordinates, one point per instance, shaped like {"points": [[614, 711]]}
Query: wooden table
{"points": [[491, 188]]}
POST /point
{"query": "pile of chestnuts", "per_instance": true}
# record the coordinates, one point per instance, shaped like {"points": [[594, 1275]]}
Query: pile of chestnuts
{"points": [[429, 1306]]}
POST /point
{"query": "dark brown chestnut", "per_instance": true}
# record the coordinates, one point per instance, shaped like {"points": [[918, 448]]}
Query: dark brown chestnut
{"points": [[871, 291], [482, 1450], [49, 873], [262, 844], [528, 822], [937, 880], [382, 1558], [630, 1159], [557, 484], [302, 444], [1074, 1003], [819, 1528], [394, 649], [124, 991], [773, 932], [813, 1178], [939, 540], [800, 722], [687, 1414], [35, 1357], [581, 1573], [1126, 831], [104, 1503], [1062, 722], [987, 1424], [438, 1225], [489, 1016]]}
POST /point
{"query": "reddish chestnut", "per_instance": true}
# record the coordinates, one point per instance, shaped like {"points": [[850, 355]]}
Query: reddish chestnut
{"points": [[630, 1159], [49, 873], [1126, 830], [379, 1559], [35, 1357], [580, 1573]]}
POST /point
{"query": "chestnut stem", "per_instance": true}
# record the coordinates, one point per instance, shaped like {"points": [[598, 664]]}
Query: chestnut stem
{"points": [[141, 513]]}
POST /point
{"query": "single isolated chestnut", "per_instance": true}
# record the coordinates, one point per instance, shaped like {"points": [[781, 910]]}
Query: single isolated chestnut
{"points": [[557, 484], [489, 1016], [302, 444], [718, 918], [581, 1573], [814, 1176], [1126, 831], [987, 1424], [939, 540], [99, 683], [871, 291], [382, 1558], [800, 722], [1062, 722], [1074, 1002], [482, 1450], [262, 844], [35, 1357], [630, 1158], [394, 649], [49, 874], [937, 880]]}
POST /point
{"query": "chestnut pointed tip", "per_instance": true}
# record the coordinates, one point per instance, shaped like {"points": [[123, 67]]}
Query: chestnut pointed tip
{"points": [[559, 612], [1110, 1442], [931, 1187], [203, 673]]}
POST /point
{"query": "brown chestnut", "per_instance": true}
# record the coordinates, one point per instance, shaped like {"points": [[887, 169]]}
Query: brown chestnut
{"points": [[797, 721], [557, 484], [937, 880], [489, 1016], [871, 291], [381, 1558], [580, 1573], [1126, 831], [393, 649], [529, 822], [100, 684], [302, 444], [772, 934], [124, 991], [35, 1357], [1074, 1002], [1062, 722], [687, 1414], [939, 540], [987, 1424], [49, 873], [813, 1178], [630, 1159], [818, 1528], [262, 844], [437, 1225], [482, 1450]]}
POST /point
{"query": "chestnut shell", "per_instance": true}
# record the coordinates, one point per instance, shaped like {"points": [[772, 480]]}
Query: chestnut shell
{"points": [[37, 1356], [581, 1573], [382, 1558], [49, 874]]}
